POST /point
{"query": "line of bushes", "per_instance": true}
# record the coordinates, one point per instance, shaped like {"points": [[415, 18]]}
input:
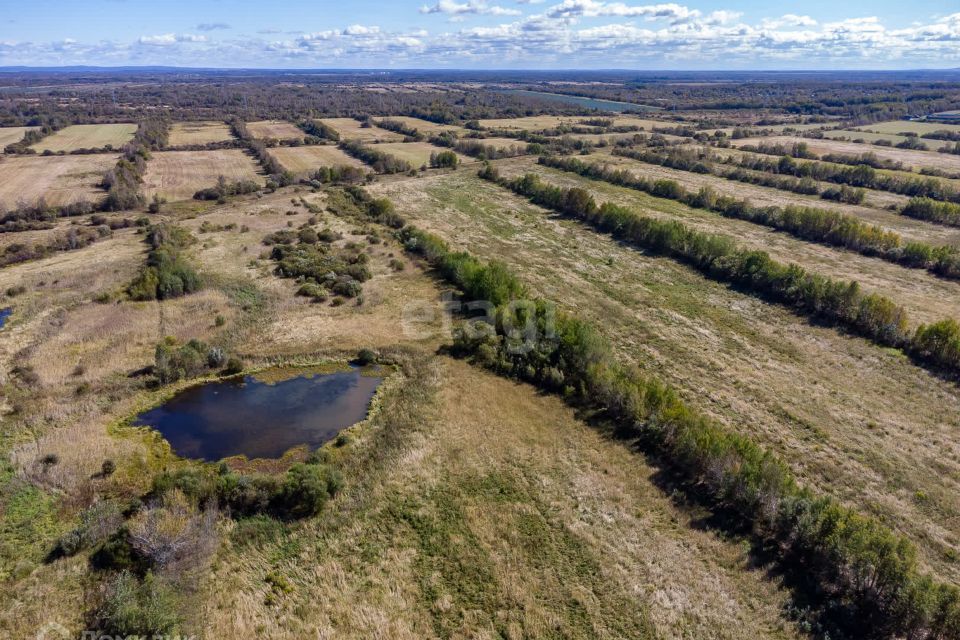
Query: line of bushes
{"points": [[224, 189], [33, 136], [123, 181], [340, 174], [398, 126], [706, 163], [860, 172], [716, 256], [807, 223], [167, 273], [277, 176], [319, 129], [380, 161], [947, 213], [70, 240], [866, 575]]}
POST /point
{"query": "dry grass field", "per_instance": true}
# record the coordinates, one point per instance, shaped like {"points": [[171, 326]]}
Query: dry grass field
{"points": [[302, 160], [873, 212], [59, 180], [913, 160], [907, 126], [926, 297], [350, 129], [416, 153], [276, 129], [854, 420], [9, 135], [87, 136], [868, 136], [425, 126], [472, 505], [188, 133], [177, 175]]}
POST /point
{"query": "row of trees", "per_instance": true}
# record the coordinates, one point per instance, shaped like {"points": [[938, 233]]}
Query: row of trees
{"points": [[858, 173], [841, 303], [318, 129], [947, 213], [75, 237], [867, 570], [277, 175], [381, 161], [705, 162], [123, 181], [808, 223]]}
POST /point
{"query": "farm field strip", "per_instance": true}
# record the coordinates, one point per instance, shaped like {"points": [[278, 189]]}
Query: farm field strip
{"points": [[909, 228], [275, 129], [350, 129], [59, 180], [914, 159], [757, 366], [308, 158], [177, 175], [9, 135], [908, 126], [205, 132], [424, 126], [87, 136], [416, 153], [926, 297]]}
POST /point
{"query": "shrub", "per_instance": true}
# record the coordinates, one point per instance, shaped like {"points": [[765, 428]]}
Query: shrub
{"points": [[135, 608], [306, 489], [366, 357]]}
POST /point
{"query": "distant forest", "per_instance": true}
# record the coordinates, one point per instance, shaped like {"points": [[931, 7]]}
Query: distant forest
{"points": [[37, 97]]}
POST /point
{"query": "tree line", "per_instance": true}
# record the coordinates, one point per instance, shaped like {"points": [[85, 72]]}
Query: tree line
{"points": [[862, 566], [807, 223], [381, 161], [843, 304]]}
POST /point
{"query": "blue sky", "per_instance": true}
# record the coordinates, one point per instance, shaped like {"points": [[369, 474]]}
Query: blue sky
{"points": [[531, 34]]}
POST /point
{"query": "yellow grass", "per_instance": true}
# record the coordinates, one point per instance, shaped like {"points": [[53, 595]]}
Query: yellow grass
{"points": [[277, 129], [87, 136], [301, 160], [914, 160], [177, 175], [416, 153], [350, 129], [58, 179], [425, 126], [9, 135], [906, 126], [186, 133]]}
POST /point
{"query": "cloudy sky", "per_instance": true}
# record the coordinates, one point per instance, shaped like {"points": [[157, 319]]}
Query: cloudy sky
{"points": [[524, 34]]}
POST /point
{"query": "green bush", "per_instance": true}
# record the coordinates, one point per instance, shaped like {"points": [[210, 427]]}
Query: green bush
{"points": [[138, 608]]}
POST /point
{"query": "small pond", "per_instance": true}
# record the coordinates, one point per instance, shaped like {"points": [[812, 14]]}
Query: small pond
{"points": [[260, 419], [4, 314]]}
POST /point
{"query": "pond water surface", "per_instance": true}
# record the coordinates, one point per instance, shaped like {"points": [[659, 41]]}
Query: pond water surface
{"points": [[4, 314], [259, 419]]}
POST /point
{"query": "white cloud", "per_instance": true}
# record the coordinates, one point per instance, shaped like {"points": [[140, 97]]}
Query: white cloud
{"points": [[479, 7], [168, 39]]}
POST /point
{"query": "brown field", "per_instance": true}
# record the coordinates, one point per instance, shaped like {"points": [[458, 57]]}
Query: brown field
{"points": [[852, 419], [910, 159], [350, 129], [909, 228], [87, 136], [9, 135], [301, 160], [276, 129], [531, 123], [868, 136], [416, 153], [187, 133], [425, 126], [60, 180], [177, 175], [926, 297], [906, 126]]}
